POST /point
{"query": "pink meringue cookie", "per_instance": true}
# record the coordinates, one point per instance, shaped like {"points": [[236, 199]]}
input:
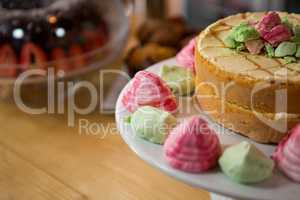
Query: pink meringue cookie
{"points": [[287, 155], [192, 146], [148, 89], [186, 57]]}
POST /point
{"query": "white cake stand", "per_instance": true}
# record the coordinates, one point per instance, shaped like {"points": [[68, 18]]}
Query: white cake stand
{"points": [[277, 187]]}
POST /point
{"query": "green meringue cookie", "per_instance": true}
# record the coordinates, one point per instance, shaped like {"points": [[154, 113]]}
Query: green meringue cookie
{"points": [[244, 163], [230, 42], [152, 124], [240, 46], [179, 79], [244, 32], [296, 30], [270, 50], [298, 52], [286, 49], [285, 20], [290, 59], [296, 37]]}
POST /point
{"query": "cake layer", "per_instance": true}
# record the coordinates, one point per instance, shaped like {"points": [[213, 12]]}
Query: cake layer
{"points": [[261, 127], [262, 96]]}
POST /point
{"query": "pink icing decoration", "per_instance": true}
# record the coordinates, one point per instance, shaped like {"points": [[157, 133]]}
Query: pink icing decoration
{"points": [[254, 46], [287, 155], [278, 34], [192, 146], [272, 30], [186, 56], [268, 22], [148, 89]]}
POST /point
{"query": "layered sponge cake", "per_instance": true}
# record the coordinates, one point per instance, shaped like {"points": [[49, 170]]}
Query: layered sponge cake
{"points": [[250, 82]]}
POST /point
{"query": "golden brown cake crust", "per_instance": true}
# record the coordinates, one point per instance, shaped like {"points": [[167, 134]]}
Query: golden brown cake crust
{"points": [[237, 90], [242, 120], [232, 78]]}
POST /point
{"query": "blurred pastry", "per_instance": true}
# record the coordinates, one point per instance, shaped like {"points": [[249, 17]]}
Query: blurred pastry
{"points": [[140, 58], [158, 40], [167, 32]]}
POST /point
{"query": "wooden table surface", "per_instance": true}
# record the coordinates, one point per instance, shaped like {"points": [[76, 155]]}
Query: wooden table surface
{"points": [[41, 158]]}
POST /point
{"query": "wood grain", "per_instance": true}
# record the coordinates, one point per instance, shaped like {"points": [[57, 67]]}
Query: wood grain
{"points": [[20, 179], [41, 158]]}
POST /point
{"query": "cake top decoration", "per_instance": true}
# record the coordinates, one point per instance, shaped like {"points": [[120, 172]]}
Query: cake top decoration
{"points": [[272, 35]]}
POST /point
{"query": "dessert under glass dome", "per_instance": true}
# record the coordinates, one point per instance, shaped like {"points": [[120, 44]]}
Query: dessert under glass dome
{"points": [[70, 36]]}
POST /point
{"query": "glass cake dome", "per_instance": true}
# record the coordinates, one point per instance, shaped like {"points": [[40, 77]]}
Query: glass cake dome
{"points": [[71, 37]]}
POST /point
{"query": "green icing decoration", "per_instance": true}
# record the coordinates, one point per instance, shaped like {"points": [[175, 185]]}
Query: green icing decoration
{"points": [[230, 42], [290, 59], [286, 22], [296, 37], [152, 124], [270, 50], [244, 32], [246, 164], [298, 52], [240, 47], [296, 30], [179, 79], [286, 49]]}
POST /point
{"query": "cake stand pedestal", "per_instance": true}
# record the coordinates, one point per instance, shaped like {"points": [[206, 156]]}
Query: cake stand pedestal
{"points": [[278, 187], [214, 196]]}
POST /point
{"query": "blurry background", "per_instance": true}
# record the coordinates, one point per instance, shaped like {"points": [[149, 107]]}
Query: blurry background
{"points": [[162, 27], [42, 158], [200, 13], [211, 10]]}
